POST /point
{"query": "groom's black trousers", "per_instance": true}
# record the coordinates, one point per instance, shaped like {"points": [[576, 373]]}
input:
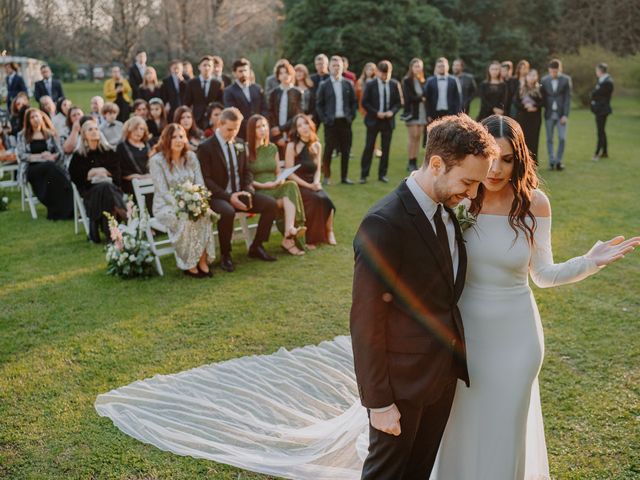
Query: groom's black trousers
{"points": [[411, 455]]}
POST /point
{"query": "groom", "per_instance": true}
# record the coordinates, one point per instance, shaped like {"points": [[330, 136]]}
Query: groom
{"points": [[410, 264]]}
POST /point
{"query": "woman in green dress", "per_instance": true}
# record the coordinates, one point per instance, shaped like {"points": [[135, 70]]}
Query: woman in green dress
{"points": [[264, 163]]}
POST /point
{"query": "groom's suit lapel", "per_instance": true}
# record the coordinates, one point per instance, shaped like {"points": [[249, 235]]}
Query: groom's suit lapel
{"points": [[423, 226]]}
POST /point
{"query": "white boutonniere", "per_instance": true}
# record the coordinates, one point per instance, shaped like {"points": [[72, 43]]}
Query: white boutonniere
{"points": [[239, 147], [465, 218]]}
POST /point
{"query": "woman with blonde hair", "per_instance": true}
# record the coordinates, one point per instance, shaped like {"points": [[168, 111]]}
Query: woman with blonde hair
{"points": [[133, 152], [368, 73], [304, 83], [150, 87]]}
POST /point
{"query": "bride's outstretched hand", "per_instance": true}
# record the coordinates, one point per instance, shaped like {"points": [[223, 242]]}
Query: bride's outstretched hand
{"points": [[604, 253]]}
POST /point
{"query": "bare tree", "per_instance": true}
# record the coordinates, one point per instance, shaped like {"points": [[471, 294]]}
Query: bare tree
{"points": [[12, 16], [128, 19]]}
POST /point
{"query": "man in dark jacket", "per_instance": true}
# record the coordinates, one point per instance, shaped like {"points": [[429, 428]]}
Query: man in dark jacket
{"points": [[601, 108]]}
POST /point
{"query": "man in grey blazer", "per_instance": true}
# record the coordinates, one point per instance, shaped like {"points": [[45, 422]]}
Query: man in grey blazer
{"points": [[556, 91]]}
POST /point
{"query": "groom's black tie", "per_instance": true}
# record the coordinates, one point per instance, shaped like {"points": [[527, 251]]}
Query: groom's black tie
{"points": [[443, 239]]}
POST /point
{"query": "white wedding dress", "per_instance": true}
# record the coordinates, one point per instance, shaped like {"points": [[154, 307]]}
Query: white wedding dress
{"points": [[296, 414]]}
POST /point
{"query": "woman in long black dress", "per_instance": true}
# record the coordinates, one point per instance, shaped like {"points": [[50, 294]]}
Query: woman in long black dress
{"points": [[38, 148], [95, 170], [305, 150], [133, 152], [493, 93], [528, 104]]}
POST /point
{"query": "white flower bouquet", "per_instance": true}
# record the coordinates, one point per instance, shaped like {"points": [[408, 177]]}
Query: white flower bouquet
{"points": [[128, 254], [4, 203], [192, 200]]}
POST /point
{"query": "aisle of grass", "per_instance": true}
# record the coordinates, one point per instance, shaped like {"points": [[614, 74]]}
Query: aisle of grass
{"points": [[68, 332]]}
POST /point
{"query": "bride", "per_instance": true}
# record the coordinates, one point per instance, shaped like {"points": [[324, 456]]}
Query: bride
{"points": [[296, 414]]}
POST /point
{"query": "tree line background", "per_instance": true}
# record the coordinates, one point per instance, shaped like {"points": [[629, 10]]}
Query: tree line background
{"points": [[67, 33]]}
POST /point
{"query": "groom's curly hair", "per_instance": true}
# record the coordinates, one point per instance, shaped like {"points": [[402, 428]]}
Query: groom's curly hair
{"points": [[454, 137]]}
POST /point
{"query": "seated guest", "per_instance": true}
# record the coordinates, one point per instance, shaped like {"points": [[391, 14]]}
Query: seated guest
{"points": [[304, 149], [244, 94], [202, 90], [218, 68], [95, 171], [173, 87], [264, 163], [227, 176], [172, 165], [305, 85], [48, 106], [69, 137], [97, 103], [493, 93], [157, 119], [48, 85], [184, 117], [150, 87], [111, 128], [19, 107], [214, 110], [133, 152], [285, 102], [527, 103], [118, 91], [37, 147], [7, 148], [59, 120], [141, 109]]}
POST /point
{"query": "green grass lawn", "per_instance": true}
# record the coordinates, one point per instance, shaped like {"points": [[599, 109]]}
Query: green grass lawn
{"points": [[68, 332]]}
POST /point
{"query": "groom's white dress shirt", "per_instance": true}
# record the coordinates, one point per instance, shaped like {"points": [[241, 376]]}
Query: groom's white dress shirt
{"points": [[429, 207]]}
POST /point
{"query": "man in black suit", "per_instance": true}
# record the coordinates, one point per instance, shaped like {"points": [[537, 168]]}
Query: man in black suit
{"points": [[202, 90], [406, 330], [173, 89], [244, 95], [48, 86], [382, 98], [466, 83], [218, 68], [322, 73], [136, 73], [512, 83], [442, 93], [227, 176], [601, 108], [336, 106], [15, 83], [285, 102]]}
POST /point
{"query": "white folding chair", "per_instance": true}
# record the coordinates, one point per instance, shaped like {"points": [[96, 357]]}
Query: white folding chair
{"points": [[26, 194], [160, 247], [79, 212], [12, 170]]}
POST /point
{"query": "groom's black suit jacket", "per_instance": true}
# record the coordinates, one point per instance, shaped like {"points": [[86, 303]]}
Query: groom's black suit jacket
{"points": [[406, 329]]}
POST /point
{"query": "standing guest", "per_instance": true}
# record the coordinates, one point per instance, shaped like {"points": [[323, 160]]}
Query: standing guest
{"points": [[48, 85], [187, 70], [173, 165], [96, 105], [48, 106], [346, 73], [528, 103], [118, 90], [415, 110], [133, 152], [218, 68], [522, 70], [264, 163], [111, 128], [7, 148], [95, 171], [173, 88], [601, 108], [512, 83], [214, 110], [381, 99], [229, 179], [285, 102], [150, 86], [468, 87], [157, 119], [368, 73], [305, 85], [59, 120], [19, 107], [184, 117], [15, 83], [271, 82], [70, 136], [336, 106], [321, 63], [136, 73], [202, 90], [243, 94], [556, 91], [493, 93], [441, 92], [37, 147], [141, 109], [304, 149]]}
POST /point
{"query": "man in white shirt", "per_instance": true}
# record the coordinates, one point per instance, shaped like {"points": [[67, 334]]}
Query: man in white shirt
{"points": [[442, 93], [243, 94]]}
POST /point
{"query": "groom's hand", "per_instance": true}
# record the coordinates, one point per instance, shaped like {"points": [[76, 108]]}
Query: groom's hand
{"points": [[387, 421]]}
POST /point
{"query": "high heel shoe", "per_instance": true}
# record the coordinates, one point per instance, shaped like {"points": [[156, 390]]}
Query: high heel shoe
{"points": [[291, 250]]}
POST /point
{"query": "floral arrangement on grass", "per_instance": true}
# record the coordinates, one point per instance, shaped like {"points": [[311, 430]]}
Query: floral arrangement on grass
{"points": [[4, 203], [192, 200], [129, 255]]}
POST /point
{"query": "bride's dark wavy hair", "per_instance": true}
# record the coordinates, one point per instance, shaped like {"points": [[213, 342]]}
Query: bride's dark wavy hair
{"points": [[524, 178]]}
